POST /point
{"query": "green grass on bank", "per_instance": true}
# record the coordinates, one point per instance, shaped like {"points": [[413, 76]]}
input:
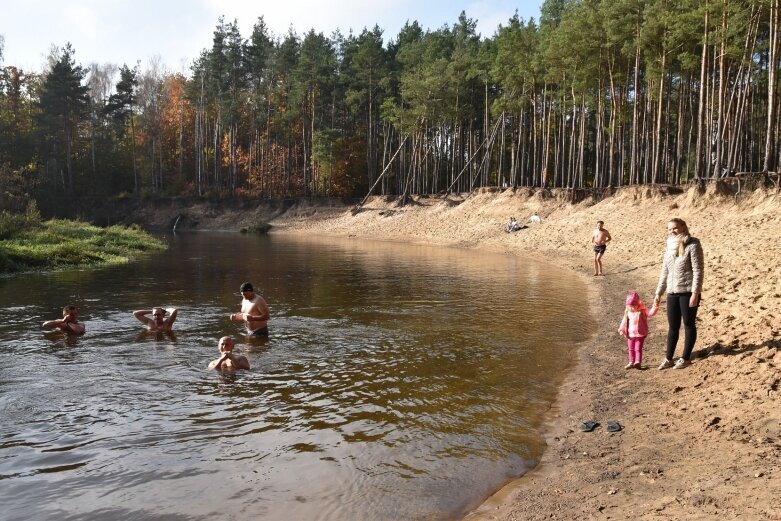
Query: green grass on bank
{"points": [[27, 243]]}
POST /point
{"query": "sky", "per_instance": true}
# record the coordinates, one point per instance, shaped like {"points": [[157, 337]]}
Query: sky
{"points": [[176, 31]]}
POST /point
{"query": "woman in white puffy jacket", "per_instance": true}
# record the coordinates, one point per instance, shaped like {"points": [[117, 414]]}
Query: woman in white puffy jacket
{"points": [[681, 278]]}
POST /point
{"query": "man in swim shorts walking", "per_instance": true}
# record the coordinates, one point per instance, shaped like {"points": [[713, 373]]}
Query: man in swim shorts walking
{"points": [[254, 312], [600, 237]]}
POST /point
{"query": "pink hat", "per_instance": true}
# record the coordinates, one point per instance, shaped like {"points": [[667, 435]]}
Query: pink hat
{"points": [[633, 299]]}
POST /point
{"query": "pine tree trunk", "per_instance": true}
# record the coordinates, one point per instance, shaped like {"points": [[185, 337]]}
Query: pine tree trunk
{"points": [[633, 159], [771, 136], [133, 153], [719, 131], [657, 140], [698, 171]]}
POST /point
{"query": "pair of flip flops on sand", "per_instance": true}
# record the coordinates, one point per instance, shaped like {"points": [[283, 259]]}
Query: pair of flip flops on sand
{"points": [[591, 425]]}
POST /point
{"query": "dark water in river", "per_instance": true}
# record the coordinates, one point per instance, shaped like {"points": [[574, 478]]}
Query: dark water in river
{"points": [[399, 382]]}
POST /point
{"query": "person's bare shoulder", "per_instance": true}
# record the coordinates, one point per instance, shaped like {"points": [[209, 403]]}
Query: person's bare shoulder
{"points": [[241, 362], [78, 328]]}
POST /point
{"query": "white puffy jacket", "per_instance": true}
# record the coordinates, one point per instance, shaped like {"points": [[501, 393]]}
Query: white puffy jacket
{"points": [[682, 273]]}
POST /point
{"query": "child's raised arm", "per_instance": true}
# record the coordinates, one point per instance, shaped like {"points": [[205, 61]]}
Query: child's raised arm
{"points": [[651, 312]]}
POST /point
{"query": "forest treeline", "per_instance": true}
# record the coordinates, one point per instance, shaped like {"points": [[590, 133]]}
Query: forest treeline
{"points": [[595, 93]]}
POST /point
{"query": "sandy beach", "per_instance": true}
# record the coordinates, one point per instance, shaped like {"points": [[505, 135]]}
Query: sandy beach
{"points": [[696, 443]]}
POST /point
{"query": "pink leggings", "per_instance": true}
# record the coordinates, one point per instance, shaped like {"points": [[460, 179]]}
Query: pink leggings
{"points": [[635, 349]]}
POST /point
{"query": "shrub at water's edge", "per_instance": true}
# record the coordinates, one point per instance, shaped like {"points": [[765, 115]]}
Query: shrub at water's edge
{"points": [[261, 228], [29, 243]]}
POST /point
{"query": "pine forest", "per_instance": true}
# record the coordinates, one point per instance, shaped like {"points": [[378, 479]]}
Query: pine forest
{"points": [[594, 94]]}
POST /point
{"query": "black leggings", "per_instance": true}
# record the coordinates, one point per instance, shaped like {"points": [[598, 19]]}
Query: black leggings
{"points": [[677, 309]]}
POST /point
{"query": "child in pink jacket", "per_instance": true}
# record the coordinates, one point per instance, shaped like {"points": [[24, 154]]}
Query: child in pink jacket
{"points": [[634, 327]]}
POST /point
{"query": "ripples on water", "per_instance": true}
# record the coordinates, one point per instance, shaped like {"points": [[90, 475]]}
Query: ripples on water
{"points": [[399, 382]]}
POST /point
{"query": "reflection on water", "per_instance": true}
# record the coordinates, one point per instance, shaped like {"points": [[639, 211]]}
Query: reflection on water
{"points": [[399, 382]]}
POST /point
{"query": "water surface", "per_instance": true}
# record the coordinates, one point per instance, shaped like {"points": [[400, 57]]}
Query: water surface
{"points": [[399, 382]]}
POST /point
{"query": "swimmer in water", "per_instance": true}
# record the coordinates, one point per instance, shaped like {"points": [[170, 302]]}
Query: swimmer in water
{"points": [[228, 361], [69, 323]]}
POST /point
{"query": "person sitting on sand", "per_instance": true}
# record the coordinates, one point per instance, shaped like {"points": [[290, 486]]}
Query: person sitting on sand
{"points": [[254, 311], [69, 323], [158, 322], [228, 361]]}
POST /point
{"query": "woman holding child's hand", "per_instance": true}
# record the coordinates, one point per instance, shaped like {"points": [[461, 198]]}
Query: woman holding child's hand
{"points": [[681, 277]]}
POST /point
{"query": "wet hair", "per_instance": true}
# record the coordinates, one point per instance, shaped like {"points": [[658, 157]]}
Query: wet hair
{"points": [[69, 308], [683, 235]]}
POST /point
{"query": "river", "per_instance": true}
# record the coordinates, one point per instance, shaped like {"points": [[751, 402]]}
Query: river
{"points": [[399, 382]]}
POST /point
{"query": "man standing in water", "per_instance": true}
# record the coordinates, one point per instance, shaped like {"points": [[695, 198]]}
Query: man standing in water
{"points": [[69, 323], [158, 322], [254, 312], [600, 237], [228, 361]]}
